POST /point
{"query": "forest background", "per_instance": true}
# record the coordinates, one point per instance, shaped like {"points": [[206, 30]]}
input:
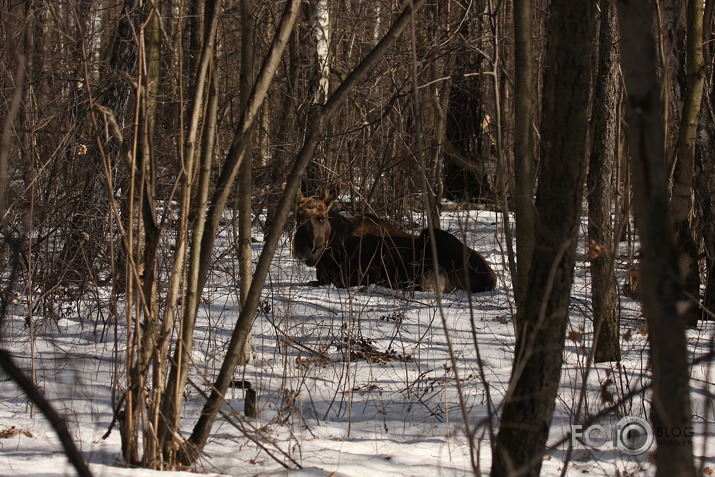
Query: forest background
{"points": [[123, 121]]}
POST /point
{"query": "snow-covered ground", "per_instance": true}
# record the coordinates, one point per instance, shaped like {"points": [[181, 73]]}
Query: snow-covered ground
{"points": [[349, 382]]}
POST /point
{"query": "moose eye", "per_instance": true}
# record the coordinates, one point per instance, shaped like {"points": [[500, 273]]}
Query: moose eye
{"points": [[321, 220]]}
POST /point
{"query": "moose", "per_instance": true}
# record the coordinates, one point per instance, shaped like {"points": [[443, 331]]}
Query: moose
{"points": [[349, 251]]}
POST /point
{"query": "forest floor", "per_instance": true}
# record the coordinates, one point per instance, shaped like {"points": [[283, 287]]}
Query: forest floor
{"points": [[349, 382]]}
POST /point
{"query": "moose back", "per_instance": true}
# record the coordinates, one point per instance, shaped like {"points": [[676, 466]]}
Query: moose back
{"points": [[364, 250]]}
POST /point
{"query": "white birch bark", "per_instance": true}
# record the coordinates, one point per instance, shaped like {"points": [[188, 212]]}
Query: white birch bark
{"points": [[321, 40]]}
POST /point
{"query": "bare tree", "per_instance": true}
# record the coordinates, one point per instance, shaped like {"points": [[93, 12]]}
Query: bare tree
{"points": [[137, 122], [660, 282], [467, 140], [705, 172], [682, 205], [205, 227], [529, 402], [523, 146], [244, 196], [600, 191], [15, 244], [320, 118]]}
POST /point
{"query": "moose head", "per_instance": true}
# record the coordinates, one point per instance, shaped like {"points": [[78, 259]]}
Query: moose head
{"points": [[313, 229]]}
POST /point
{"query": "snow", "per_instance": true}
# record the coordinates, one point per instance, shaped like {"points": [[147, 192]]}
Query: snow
{"points": [[350, 382]]}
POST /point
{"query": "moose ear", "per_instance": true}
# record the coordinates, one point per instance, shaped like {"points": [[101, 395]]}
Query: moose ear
{"points": [[298, 196], [330, 192]]}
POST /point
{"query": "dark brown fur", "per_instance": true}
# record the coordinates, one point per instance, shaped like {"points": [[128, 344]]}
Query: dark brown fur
{"points": [[465, 269], [363, 249]]}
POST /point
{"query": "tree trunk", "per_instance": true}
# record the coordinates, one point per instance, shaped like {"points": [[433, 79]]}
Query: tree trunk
{"points": [[705, 189], [205, 85], [145, 177], [467, 143], [705, 193], [660, 282], [245, 179], [600, 192], [321, 43], [681, 203], [436, 98], [523, 147], [529, 403], [705, 175]]}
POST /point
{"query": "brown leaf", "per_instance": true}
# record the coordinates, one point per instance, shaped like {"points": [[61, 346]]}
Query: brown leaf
{"points": [[575, 336], [606, 395], [13, 431], [595, 249]]}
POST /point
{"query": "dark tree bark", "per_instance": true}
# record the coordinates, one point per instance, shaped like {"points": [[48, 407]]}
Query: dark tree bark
{"points": [[682, 204], [529, 402], [672, 24], [705, 174], [705, 196], [523, 146], [245, 173], [600, 191], [660, 281], [467, 143]]}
